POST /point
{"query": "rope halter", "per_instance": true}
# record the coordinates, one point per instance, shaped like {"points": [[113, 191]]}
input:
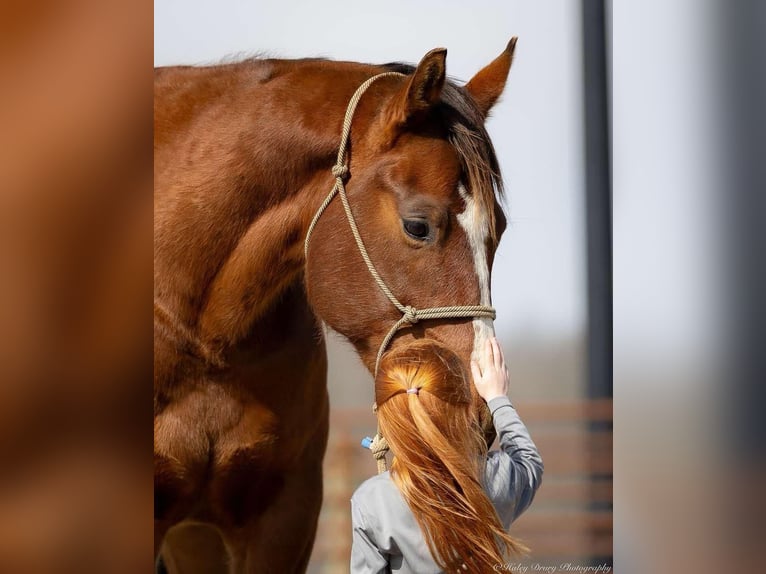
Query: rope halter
{"points": [[410, 315]]}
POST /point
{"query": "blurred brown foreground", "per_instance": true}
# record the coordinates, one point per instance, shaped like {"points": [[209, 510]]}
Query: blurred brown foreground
{"points": [[75, 284]]}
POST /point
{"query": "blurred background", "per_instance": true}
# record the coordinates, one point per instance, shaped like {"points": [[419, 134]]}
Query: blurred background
{"points": [[552, 275], [688, 88]]}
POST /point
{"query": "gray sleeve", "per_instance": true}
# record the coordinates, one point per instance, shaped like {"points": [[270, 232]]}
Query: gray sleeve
{"points": [[366, 557], [514, 473]]}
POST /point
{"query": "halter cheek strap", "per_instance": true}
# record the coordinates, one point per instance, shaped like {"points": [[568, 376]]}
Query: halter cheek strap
{"points": [[410, 315]]}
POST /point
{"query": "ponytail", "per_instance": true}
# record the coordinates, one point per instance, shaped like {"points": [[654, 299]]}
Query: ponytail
{"points": [[425, 413]]}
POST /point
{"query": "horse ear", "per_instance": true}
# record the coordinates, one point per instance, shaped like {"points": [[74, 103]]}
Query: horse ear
{"points": [[423, 90], [486, 86]]}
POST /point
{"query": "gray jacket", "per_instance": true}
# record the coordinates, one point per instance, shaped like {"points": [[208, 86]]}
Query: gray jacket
{"points": [[386, 536]]}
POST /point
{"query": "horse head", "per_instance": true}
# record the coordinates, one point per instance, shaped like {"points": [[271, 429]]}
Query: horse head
{"points": [[423, 185]]}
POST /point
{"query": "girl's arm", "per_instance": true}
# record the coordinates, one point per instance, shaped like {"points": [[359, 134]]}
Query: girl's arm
{"points": [[366, 557], [513, 474]]}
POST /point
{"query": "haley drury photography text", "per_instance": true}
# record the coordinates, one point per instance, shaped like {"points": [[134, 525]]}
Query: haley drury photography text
{"points": [[550, 569]]}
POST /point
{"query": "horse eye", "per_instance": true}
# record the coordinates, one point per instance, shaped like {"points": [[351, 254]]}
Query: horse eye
{"points": [[416, 228]]}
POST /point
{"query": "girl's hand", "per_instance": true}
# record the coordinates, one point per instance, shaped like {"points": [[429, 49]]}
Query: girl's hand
{"points": [[493, 382]]}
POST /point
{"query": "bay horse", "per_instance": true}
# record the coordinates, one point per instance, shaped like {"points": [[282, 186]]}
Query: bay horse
{"points": [[243, 158]]}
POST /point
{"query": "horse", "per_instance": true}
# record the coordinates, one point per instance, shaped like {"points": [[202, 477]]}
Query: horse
{"points": [[245, 154]]}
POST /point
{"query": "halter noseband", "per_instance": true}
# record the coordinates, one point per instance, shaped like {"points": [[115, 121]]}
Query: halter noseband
{"points": [[410, 315]]}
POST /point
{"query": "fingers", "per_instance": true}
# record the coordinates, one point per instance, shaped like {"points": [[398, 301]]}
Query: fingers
{"points": [[489, 353], [502, 357], [475, 371], [498, 355]]}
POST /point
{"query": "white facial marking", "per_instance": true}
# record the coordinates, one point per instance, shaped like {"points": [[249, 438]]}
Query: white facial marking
{"points": [[475, 223]]}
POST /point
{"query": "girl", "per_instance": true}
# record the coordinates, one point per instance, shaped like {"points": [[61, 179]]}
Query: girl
{"points": [[446, 504]]}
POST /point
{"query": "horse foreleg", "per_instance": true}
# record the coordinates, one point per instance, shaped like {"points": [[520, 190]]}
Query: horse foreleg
{"points": [[194, 548], [280, 540]]}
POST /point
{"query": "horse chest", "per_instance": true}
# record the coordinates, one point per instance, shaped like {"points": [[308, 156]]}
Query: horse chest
{"points": [[224, 441], [209, 424]]}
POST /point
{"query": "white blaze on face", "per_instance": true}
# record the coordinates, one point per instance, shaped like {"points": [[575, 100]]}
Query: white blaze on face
{"points": [[475, 223]]}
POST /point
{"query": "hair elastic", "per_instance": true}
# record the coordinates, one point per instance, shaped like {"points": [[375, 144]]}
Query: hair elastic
{"points": [[413, 391]]}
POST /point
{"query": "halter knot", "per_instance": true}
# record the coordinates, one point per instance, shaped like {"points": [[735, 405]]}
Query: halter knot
{"points": [[379, 448], [411, 315], [340, 171]]}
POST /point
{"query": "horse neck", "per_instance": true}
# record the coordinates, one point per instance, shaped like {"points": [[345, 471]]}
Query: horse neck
{"points": [[230, 223]]}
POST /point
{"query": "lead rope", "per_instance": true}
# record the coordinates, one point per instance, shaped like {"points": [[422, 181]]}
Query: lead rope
{"points": [[379, 445], [410, 315]]}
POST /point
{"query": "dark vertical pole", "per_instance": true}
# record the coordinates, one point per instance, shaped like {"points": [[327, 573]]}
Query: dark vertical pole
{"points": [[740, 89], [598, 191], [598, 200]]}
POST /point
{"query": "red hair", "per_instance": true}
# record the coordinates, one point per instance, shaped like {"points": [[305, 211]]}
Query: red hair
{"points": [[439, 456]]}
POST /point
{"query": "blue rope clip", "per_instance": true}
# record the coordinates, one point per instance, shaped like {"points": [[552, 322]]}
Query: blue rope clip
{"points": [[367, 442]]}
